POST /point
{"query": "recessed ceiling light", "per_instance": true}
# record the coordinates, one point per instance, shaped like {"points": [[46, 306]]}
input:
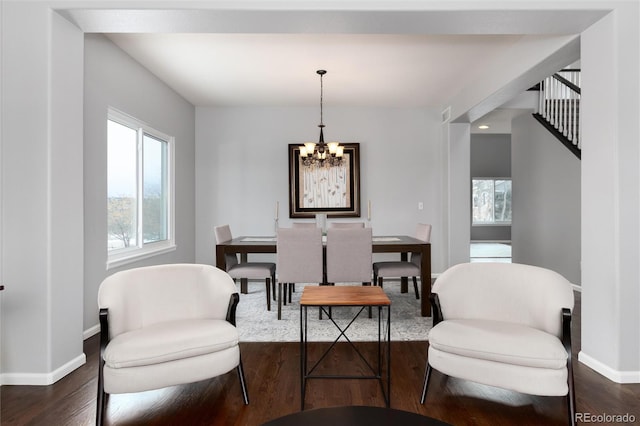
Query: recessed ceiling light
{"points": [[483, 126]]}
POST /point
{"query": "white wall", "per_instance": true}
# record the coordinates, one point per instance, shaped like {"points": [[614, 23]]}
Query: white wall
{"points": [[459, 192], [610, 195], [113, 78], [610, 189], [42, 247], [546, 200], [242, 167]]}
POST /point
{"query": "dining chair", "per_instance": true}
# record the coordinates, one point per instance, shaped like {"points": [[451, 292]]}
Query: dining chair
{"points": [[292, 288], [298, 259], [248, 270], [349, 256], [399, 269], [346, 225]]}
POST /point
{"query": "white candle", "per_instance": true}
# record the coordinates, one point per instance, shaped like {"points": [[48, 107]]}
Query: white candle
{"points": [[369, 211], [277, 209]]}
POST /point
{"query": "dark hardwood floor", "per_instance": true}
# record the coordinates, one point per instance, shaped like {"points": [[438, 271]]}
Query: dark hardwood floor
{"points": [[272, 373]]}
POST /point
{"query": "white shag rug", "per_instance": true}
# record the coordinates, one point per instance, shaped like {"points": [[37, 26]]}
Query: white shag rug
{"points": [[256, 324]]}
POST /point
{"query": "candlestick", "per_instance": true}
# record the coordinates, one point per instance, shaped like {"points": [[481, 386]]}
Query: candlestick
{"points": [[277, 209], [369, 211]]}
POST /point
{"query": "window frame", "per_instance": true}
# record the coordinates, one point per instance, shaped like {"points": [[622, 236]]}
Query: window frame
{"points": [[494, 223], [142, 250]]}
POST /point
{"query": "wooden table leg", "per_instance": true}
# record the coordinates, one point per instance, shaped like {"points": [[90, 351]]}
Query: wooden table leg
{"points": [[244, 283], [425, 281], [404, 281]]}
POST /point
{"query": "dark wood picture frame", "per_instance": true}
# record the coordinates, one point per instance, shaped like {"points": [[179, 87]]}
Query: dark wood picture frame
{"points": [[299, 207]]}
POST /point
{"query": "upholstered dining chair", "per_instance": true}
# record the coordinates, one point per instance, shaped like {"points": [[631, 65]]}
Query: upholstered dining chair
{"points": [[399, 269], [248, 270], [349, 255], [166, 325], [506, 325], [298, 259]]}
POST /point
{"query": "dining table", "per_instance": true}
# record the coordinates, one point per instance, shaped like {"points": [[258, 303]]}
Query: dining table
{"points": [[402, 244]]}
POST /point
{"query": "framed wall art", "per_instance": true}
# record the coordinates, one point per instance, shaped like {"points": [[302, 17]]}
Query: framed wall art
{"points": [[334, 190]]}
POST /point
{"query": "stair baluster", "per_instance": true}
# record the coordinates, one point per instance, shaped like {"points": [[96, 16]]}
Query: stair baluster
{"points": [[559, 107]]}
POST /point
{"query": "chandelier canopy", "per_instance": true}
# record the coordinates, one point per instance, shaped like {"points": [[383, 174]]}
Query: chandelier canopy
{"points": [[321, 154]]}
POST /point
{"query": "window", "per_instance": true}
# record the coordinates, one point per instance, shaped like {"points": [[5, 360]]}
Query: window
{"points": [[139, 190], [491, 201]]}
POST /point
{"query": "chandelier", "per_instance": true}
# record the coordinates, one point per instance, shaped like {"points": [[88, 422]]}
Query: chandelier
{"points": [[321, 154]]}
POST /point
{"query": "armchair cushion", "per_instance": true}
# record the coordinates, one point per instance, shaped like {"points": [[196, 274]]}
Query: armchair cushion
{"points": [[170, 341], [500, 342]]}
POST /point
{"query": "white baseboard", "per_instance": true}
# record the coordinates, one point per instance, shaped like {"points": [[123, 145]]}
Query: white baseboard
{"points": [[608, 372], [44, 379], [92, 331]]}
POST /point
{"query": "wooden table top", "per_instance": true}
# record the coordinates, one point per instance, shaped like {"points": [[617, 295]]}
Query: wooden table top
{"points": [[344, 295]]}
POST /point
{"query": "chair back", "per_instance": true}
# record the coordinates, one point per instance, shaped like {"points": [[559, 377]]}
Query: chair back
{"points": [[140, 297], [510, 292], [303, 225], [423, 233], [346, 225], [223, 234], [299, 255], [349, 255]]}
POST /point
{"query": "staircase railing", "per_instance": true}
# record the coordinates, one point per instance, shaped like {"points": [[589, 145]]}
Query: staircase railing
{"points": [[559, 107]]}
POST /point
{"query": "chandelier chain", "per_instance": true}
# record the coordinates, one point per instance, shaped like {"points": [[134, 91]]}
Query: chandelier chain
{"points": [[321, 154], [321, 92]]}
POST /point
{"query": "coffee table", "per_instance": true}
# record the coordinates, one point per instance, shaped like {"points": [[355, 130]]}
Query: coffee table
{"points": [[354, 416], [364, 297]]}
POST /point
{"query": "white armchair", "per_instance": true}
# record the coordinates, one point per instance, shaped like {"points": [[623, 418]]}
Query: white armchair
{"points": [[166, 325], [506, 325]]}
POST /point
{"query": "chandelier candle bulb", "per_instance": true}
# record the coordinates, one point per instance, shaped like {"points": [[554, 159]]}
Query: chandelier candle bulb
{"points": [[310, 146], [369, 211], [277, 209]]}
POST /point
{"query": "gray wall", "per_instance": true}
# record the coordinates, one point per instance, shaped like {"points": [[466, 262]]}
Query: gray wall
{"points": [[546, 200], [490, 158], [112, 78], [242, 167]]}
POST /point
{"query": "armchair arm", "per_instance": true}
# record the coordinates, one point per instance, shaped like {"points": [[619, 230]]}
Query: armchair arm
{"points": [[566, 331], [231, 310], [104, 330], [104, 340], [566, 342], [436, 309]]}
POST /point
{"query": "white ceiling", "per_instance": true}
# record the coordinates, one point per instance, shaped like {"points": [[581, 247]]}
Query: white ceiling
{"points": [[280, 69], [384, 53]]}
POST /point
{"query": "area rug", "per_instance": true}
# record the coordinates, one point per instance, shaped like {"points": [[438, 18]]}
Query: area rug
{"points": [[256, 324]]}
